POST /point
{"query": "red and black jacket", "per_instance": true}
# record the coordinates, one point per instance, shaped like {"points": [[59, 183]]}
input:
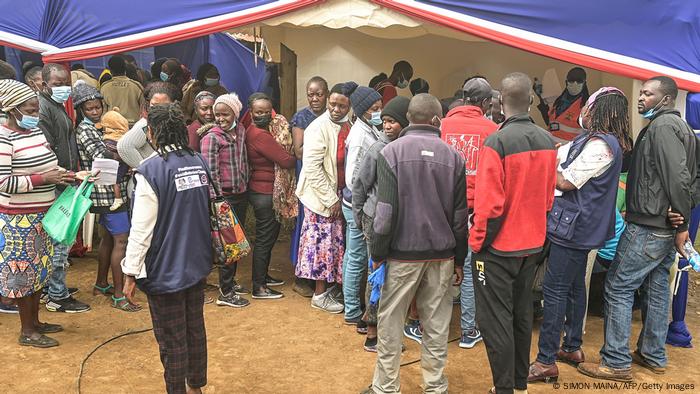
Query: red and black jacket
{"points": [[514, 189]]}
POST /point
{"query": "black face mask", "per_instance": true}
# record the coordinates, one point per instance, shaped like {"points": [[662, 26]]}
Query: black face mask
{"points": [[262, 121]]}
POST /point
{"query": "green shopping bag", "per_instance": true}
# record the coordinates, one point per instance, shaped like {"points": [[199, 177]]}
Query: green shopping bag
{"points": [[65, 216]]}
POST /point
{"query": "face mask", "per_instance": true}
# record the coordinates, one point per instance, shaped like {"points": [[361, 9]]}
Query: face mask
{"points": [[27, 122], [580, 121], [262, 121], [211, 81], [376, 119], [403, 83], [87, 120], [574, 88], [164, 76], [650, 114], [60, 94], [233, 126]]}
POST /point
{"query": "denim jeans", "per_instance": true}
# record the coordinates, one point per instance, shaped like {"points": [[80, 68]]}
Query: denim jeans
{"points": [[57, 281], [354, 265], [643, 260], [227, 273], [564, 290], [466, 297], [267, 229]]}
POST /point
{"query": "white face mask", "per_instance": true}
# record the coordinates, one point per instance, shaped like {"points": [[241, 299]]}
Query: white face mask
{"points": [[574, 88]]}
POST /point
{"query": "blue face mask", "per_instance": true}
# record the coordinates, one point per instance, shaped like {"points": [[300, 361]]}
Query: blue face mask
{"points": [[211, 81], [87, 120], [650, 114], [376, 119], [27, 122], [164, 76], [60, 94]]}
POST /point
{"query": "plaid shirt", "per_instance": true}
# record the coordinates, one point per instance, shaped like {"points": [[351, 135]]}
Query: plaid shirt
{"points": [[90, 147], [227, 158]]}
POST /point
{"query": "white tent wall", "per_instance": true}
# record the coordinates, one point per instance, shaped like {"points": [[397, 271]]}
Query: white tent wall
{"points": [[348, 54]]}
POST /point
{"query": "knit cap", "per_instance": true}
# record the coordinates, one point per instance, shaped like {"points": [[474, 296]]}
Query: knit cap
{"points": [[83, 92], [363, 98], [232, 101], [114, 122], [14, 93], [397, 109]]}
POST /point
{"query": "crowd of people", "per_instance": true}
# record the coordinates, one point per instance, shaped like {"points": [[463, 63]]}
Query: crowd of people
{"points": [[393, 202]]}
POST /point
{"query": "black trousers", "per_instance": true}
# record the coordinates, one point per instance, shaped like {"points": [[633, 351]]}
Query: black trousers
{"points": [[178, 325], [227, 273], [503, 289], [267, 229]]}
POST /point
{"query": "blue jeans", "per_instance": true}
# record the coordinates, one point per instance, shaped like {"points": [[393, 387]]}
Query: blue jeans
{"points": [[466, 296], [57, 281], [354, 265], [643, 260], [564, 290]]}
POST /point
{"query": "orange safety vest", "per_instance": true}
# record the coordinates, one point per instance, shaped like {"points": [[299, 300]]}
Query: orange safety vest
{"points": [[565, 126]]}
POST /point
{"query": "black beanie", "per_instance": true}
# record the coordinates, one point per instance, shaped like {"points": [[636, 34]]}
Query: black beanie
{"points": [[397, 108], [363, 98]]}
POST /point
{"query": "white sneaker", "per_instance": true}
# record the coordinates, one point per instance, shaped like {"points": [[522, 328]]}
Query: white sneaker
{"points": [[326, 303]]}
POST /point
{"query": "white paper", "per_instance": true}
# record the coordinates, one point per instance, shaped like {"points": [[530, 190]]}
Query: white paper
{"points": [[108, 171]]}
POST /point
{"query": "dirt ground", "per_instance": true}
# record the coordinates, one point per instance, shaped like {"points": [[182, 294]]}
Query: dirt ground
{"points": [[273, 346]]}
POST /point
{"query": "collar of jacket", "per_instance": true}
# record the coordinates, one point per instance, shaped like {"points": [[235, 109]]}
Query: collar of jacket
{"points": [[671, 111], [517, 118], [418, 129], [466, 111], [367, 128], [48, 98]]}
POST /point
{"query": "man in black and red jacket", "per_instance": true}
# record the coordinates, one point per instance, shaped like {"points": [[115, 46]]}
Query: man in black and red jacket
{"points": [[514, 191]]}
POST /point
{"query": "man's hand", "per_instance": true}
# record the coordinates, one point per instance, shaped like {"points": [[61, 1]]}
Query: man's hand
{"points": [[459, 275], [130, 288], [336, 210], [676, 219], [681, 238]]}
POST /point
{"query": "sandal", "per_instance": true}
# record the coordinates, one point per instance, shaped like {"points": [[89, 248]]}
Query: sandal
{"points": [[48, 328], [124, 304], [42, 342], [105, 291]]}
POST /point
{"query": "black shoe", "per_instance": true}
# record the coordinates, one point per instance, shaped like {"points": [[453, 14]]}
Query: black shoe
{"points": [[353, 321], [72, 290], [67, 305], [232, 299], [239, 289], [270, 281], [266, 293]]}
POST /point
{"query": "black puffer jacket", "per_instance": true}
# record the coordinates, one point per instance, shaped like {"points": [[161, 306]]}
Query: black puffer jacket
{"points": [[663, 172]]}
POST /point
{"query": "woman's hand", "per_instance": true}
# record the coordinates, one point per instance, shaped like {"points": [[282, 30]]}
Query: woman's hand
{"points": [[58, 176], [82, 175]]}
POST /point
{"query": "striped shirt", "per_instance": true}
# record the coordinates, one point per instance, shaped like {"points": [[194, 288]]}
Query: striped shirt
{"points": [[24, 156]]}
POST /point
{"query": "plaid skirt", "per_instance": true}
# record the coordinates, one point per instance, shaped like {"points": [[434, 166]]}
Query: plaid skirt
{"points": [[25, 254]]}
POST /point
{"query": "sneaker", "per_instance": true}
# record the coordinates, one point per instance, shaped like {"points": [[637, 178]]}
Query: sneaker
{"points": [[44, 298], [270, 281], [361, 327], [302, 289], [72, 290], [354, 321], [326, 303], [232, 299], [239, 289], [371, 345], [470, 338], [4, 308], [336, 293], [267, 294], [67, 305], [412, 331]]}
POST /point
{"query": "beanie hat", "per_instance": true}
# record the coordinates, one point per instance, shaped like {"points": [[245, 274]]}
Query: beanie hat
{"points": [[363, 98], [114, 121], [13, 93], [397, 109], [83, 92], [232, 101]]}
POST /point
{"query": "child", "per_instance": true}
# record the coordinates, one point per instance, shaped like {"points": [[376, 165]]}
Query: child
{"points": [[114, 126]]}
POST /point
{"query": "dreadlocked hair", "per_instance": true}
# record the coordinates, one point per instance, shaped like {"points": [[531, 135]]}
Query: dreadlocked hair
{"points": [[609, 114], [167, 125]]}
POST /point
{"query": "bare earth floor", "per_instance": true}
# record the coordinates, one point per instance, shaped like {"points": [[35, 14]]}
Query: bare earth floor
{"points": [[273, 346]]}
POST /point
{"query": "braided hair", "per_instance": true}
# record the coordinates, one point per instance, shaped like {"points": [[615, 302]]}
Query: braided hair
{"points": [[167, 125], [609, 115]]}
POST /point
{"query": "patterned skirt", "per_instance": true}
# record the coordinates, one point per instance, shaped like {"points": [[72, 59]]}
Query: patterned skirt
{"points": [[321, 248], [25, 254]]}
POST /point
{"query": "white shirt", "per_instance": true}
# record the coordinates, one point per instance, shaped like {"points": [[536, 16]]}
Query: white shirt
{"points": [[595, 158]]}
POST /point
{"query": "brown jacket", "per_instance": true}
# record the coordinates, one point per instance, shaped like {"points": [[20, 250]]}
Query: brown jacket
{"points": [[125, 93]]}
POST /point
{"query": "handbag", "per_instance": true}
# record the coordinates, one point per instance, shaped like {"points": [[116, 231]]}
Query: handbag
{"points": [[65, 216], [229, 242]]}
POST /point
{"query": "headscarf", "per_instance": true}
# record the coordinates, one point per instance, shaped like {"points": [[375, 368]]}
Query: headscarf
{"points": [[203, 95], [13, 93], [232, 101]]}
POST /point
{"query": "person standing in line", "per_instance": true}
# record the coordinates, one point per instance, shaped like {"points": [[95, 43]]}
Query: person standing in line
{"points": [[588, 179], [367, 106], [58, 130], [270, 186], [364, 198], [319, 189], [122, 91], [662, 174], [514, 190], [169, 251], [465, 128], [204, 114], [317, 97], [224, 149], [208, 80]]}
